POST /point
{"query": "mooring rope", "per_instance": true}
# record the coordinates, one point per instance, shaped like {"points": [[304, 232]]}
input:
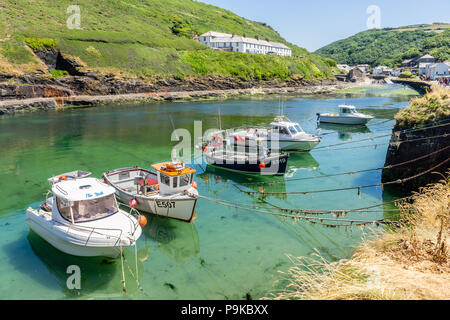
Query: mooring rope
{"points": [[398, 143], [350, 222], [348, 173], [338, 212], [399, 181], [376, 138]]}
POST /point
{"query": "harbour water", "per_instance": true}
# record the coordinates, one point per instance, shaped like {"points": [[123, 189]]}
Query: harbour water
{"points": [[226, 253]]}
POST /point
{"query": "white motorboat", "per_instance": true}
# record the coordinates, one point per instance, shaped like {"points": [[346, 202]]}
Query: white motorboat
{"points": [[170, 192], [347, 115], [284, 135], [82, 218]]}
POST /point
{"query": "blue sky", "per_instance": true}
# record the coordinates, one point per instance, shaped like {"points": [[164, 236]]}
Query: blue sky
{"points": [[311, 24]]}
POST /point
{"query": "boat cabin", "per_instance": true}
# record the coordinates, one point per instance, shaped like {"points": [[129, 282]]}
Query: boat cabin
{"points": [[82, 200], [285, 127], [347, 110], [173, 177]]}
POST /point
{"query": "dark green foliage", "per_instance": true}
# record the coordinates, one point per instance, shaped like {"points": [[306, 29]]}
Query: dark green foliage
{"points": [[388, 46]]}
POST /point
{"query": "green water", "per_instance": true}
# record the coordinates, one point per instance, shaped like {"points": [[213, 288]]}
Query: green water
{"points": [[227, 252]]}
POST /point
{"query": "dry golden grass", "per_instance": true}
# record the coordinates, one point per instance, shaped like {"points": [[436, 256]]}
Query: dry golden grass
{"points": [[408, 263]]}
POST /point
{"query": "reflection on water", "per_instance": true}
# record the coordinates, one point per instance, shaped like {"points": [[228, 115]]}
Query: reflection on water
{"points": [[178, 240], [300, 161], [95, 272], [344, 132]]}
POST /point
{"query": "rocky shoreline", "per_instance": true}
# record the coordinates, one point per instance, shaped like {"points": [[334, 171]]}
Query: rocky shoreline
{"points": [[31, 93]]}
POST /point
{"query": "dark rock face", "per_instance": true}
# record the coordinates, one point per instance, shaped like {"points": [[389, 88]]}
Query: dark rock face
{"points": [[355, 75], [38, 104], [406, 151], [91, 83]]}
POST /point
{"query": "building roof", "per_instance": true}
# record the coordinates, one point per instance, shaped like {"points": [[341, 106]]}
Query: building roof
{"points": [[427, 56], [82, 189], [225, 37]]}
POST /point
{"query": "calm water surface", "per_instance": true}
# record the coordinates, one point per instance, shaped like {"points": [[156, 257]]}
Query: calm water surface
{"points": [[226, 252]]}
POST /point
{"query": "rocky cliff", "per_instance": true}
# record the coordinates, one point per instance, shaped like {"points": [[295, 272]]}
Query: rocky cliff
{"points": [[422, 130]]}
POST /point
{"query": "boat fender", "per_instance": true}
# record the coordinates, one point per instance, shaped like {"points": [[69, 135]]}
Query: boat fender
{"points": [[133, 203], [262, 165], [142, 221], [194, 185]]}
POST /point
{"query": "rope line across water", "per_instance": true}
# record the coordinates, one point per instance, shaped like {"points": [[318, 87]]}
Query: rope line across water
{"points": [[400, 181]]}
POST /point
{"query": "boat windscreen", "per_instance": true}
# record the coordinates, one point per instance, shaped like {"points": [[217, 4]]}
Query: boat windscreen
{"points": [[88, 210], [299, 129]]}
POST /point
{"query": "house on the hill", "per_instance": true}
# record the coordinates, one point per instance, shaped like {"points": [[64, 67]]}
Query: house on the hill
{"points": [[235, 43], [363, 67], [426, 59], [435, 71], [416, 62], [344, 67], [382, 70]]}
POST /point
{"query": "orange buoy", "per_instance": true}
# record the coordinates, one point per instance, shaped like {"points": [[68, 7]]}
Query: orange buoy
{"points": [[142, 221], [62, 178], [262, 165], [194, 185]]}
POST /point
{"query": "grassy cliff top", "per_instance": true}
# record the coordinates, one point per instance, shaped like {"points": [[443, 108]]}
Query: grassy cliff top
{"points": [[433, 106], [142, 38]]}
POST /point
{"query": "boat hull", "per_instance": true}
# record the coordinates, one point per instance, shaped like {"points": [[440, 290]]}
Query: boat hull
{"points": [[179, 209], [296, 146], [343, 120], [275, 166], [46, 231]]}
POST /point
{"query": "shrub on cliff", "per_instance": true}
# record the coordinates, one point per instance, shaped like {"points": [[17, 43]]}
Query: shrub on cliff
{"points": [[432, 107], [38, 44]]}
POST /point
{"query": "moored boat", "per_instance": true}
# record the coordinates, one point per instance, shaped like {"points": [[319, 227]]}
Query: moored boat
{"points": [[347, 115], [82, 218], [249, 157], [284, 135], [169, 192]]}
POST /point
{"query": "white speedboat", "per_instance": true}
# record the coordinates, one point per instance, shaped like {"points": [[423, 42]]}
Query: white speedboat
{"points": [[170, 192], [284, 135], [82, 218], [347, 115]]}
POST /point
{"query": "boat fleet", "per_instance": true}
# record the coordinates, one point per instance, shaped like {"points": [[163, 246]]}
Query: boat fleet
{"points": [[84, 216]]}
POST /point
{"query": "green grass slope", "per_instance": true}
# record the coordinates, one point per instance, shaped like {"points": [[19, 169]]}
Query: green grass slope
{"points": [[145, 38], [391, 46]]}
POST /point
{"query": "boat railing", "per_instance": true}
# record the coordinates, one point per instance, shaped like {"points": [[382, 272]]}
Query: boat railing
{"points": [[97, 230], [93, 230]]}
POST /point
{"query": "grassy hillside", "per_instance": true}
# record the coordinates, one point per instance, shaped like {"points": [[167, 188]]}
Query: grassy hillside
{"points": [[143, 38], [391, 46]]}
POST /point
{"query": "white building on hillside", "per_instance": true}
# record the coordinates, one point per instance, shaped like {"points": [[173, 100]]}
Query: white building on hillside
{"points": [[344, 67], [382, 70], [437, 70], [234, 43]]}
